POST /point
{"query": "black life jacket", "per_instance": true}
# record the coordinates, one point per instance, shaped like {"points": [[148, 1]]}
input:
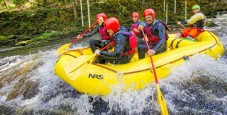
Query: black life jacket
{"points": [[200, 24], [131, 39]]}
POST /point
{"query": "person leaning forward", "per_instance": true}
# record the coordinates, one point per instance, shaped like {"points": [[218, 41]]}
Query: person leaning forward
{"points": [[104, 35], [120, 54], [155, 32], [197, 22]]}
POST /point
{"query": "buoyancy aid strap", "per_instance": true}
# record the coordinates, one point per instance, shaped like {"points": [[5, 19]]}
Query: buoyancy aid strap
{"points": [[166, 26]]}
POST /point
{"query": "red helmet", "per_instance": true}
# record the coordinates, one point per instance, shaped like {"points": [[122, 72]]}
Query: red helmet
{"points": [[135, 14], [101, 15], [112, 23], [149, 11]]}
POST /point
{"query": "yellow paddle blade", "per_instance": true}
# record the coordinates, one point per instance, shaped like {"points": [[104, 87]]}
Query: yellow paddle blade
{"points": [[161, 101], [80, 61], [63, 48]]}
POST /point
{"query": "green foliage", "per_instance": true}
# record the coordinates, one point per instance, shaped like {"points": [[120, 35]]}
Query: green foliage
{"points": [[211, 24], [3, 39], [40, 17], [46, 36]]}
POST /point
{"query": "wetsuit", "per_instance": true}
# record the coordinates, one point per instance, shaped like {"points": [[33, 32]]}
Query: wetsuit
{"points": [[156, 34], [104, 35], [119, 55]]}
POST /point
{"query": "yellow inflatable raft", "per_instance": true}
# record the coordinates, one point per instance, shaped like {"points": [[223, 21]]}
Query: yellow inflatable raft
{"points": [[76, 67]]}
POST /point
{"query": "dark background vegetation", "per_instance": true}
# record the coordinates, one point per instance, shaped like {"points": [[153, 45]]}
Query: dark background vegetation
{"points": [[25, 21]]}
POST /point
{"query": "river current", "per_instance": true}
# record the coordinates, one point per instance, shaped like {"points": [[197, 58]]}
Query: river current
{"points": [[28, 85]]}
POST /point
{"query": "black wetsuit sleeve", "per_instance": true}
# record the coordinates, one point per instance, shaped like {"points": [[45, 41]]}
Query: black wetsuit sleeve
{"points": [[184, 22], [92, 32], [161, 34], [120, 41]]}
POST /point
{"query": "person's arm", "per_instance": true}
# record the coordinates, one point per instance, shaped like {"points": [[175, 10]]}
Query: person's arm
{"points": [[161, 34], [91, 32], [120, 41], [196, 17], [142, 23]]}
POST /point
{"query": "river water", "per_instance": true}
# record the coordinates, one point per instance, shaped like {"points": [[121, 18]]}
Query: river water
{"points": [[28, 85]]}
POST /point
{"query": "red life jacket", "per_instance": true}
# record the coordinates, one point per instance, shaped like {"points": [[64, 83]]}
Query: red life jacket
{"points": [[104, 35], [152, 36], [132, 43], [135, 25]]}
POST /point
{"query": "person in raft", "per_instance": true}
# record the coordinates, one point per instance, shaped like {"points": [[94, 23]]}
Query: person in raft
{"points": [[136, 25], [196, 23], [125, 43], [155, 32], [104, 35]]}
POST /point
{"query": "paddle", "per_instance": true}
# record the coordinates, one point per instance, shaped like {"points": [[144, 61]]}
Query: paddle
{"points": [[178, 22], [182, 26], [161, 99], [82, 63], [64, 47]]}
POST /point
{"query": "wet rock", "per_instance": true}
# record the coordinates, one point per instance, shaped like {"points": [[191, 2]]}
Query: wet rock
{"points": [[4, 110], [24, 87], [1, 85], [30, 90], [23, 43], [211, 24], [203, 81]]}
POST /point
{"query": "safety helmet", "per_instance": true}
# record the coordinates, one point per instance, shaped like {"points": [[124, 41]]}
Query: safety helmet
{"points": [[112, 23], [149, 11], [135, 14], [101, 15], [196, 7]]}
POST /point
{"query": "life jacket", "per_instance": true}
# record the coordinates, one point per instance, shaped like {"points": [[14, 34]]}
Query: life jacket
{"points": [[152, 32], [135, 25], [200, 24], [104, 35], [132, 42]]}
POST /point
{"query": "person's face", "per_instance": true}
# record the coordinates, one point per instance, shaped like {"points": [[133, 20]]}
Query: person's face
{"points": [[110, 31], [135, 19], [195, 10], [100, 20], [149, 19]]}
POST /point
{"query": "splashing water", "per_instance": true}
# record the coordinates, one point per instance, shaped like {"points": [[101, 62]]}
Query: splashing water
{"points": [[28, 85], [198, 86]]}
